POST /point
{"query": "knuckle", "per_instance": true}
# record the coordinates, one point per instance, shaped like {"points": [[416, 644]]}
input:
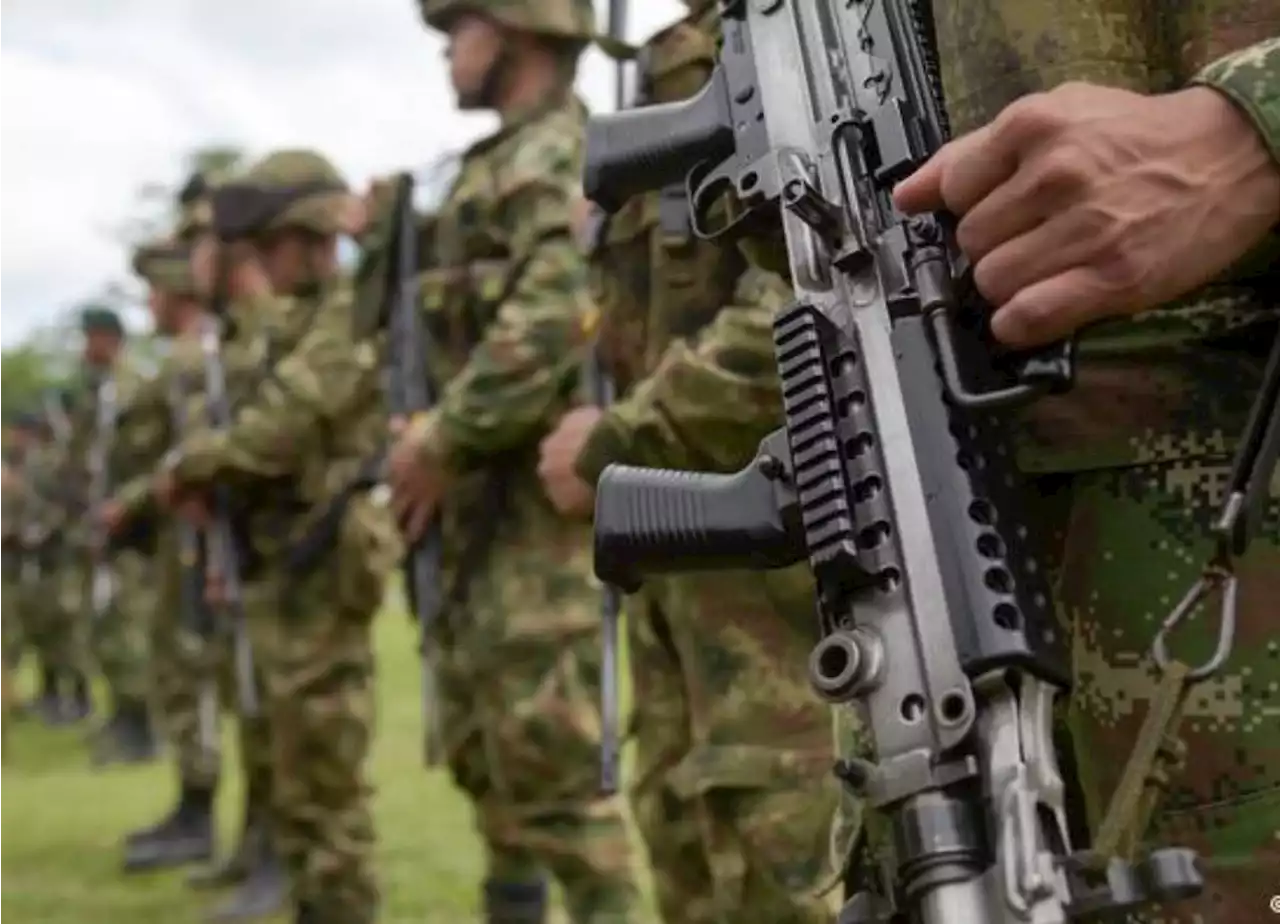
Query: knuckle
{"points": [[1062, 169], [991, 281], [1031, 116]]}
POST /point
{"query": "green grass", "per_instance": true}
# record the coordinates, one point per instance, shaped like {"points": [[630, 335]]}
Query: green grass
{"points": [[62, 821]]}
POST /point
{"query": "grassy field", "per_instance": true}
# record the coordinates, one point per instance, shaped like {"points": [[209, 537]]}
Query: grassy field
{"points": [[62, 822]]}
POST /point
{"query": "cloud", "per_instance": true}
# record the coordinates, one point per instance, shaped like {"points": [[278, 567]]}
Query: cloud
{"points": [[101, 98]]}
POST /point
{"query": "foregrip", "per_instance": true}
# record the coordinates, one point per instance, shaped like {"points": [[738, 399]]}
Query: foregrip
{"points": [[654, 521]]}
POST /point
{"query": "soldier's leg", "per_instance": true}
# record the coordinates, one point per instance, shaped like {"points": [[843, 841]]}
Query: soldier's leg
{"points": [[255, 865], [184, 697], [316, 660], [68, 642], [121, 647], [537, 721], [1137, 538], [742, 820], [41, 603]]}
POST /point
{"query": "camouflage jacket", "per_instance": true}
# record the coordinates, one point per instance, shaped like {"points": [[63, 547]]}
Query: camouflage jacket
{"points": [[1176, 382], [306, 415], [504, 303]]}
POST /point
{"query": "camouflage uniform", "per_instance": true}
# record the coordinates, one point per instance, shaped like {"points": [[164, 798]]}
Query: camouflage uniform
{"points": [[294, 444], [116, 638], [50, 621], [520, 674], [1133, 462], [17, 560], [733, 748]]}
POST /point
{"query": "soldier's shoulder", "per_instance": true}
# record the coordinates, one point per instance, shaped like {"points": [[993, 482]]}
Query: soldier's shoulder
{"points": [[549, 147]]}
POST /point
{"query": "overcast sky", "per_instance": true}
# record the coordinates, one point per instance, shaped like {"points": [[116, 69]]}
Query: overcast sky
{"points": [[102, 96]]}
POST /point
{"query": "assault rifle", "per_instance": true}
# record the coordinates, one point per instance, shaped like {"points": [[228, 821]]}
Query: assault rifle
{"points": [[893, 475], [196, 612], [102, 581], [221, 544], [409, 394]]}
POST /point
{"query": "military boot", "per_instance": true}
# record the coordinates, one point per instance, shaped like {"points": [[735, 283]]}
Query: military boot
{"points": [[264, 890], [515, 902], [186, 836], [128, 738], [164, 824], [235, 866]]}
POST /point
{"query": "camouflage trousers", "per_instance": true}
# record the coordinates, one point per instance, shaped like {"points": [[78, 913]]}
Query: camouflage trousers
{"points": [[733, 792], [314, 654], [519, 690], [191, 682], [119, 639], [1132, 540], [14, 600], [54, 622]]}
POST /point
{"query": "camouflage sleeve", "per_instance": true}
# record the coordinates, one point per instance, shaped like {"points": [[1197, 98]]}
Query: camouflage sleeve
{"points": [[142, 430], [708, 404], [284, 422], [1251, 78], [513, 380]]}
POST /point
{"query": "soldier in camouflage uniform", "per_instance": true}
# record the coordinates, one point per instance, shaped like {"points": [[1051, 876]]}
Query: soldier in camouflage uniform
{"points": [[114, 613], [186, 656], [520, 661], [733, 749], [21, 436], [1138, 197], [296, 442], [51, 592]]}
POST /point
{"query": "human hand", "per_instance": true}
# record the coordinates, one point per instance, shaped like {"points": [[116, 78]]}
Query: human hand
{"points": [[558, 452]]}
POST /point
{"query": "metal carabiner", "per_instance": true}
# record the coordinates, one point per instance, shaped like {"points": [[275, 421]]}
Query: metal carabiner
{"points": [[1215, 577]]}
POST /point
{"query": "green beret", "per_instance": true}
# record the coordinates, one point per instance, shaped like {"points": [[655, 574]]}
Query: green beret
{"points": [[100, 318]]}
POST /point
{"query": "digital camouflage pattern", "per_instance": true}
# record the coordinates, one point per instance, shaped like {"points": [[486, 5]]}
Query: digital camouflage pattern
{"points": [[733, 791], [1135, 459], [520, 675], [297, 438]]}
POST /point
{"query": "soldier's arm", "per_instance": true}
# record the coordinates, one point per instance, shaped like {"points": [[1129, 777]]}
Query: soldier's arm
{"points": [[143, 434], [708, 403], [515, 378], [1250, 78], [285, 420]]}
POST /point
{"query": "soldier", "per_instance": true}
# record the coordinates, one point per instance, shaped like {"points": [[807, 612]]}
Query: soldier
{"points": [[21, 435], [520, 661], [293, 444], [1154, 182], [733, 793], [113, 581], [51, 594]]}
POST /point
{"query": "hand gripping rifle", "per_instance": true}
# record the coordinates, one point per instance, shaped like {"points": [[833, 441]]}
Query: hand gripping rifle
{"points": [[892, 475]]}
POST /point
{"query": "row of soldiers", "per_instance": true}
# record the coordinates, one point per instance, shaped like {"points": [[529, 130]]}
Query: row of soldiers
{"points": [[61, 605], [731, 793], [270, 405]]}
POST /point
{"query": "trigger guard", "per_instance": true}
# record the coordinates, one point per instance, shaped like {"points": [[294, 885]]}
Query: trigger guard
{"points": [[698, 182]]}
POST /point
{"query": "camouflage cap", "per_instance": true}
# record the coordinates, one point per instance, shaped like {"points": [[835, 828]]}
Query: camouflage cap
{"points": [[100, 318], [563, 19], [312, 195], [165, 265]]}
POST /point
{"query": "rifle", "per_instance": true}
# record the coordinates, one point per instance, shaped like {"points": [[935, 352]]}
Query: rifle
{"points": [[603, 391], [221, 548], [409, 393], [196, 611], [102, 587], [893, 474]]}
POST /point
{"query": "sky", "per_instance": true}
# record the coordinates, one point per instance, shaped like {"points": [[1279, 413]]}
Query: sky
{"points": [[99, 97]]}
